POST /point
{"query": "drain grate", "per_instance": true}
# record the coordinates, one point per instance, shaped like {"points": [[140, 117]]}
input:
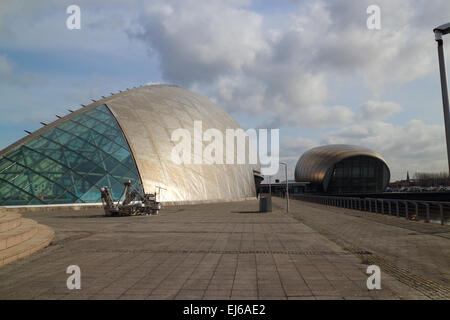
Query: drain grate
{"points": [[432, 289]]}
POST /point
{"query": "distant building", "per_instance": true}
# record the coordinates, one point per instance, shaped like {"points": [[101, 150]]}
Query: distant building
{"points": [[341, 168], [278, 188]]}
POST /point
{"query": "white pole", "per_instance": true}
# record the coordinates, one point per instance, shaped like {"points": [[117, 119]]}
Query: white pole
{"points": [[287, 187], [287, 191], [270, 186]]}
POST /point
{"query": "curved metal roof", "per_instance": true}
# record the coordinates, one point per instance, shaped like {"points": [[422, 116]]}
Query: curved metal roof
{"points": [[147, 116], [316, 165]]}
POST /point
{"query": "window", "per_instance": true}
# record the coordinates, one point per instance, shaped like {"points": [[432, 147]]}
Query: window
{"points": [[69, 163]]}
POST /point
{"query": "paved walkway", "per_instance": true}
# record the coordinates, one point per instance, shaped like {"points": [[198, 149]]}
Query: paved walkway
{"points": [[417, 253], [210, 251]]}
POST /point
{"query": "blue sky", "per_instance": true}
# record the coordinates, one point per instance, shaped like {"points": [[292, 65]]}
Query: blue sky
{"points": [[310, 68]]}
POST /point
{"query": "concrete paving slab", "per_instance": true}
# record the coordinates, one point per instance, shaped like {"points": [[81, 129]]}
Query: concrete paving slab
{"points": [[202, 251]]}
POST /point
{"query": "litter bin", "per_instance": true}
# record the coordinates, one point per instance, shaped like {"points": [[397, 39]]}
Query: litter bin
{"points": [[265, 204]]}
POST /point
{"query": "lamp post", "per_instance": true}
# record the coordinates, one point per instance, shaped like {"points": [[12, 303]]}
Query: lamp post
{"points": [[287, 186], [438, 33]]}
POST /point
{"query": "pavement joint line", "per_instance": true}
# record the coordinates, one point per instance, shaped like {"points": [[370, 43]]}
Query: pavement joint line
{"points": [[110, 259], [256, 265], [163, 279], [276, 266], [286, 252], [214, 273], [417, 282], [138, 281], [235, 269]]}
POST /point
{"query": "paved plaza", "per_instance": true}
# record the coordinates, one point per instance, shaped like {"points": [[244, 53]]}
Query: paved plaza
{"points": [[231, 251]]}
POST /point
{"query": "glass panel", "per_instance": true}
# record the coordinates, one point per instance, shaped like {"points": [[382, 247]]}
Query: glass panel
{"points": [[110, 148], [64, 198], [110, 163], [77, 128], [117, 190], [73, 159], [35, 201], [121, 154], [86, 121], [131, 175], [120, 140], [52, 134], [69, 163], [128, 162], [110, 122], [68, 126], [5, 164], [120, 173], [101, 127], [92, 195], [103, 108], [36, 143], [358, 174], [14, 169], [79, 145], [63, 138], [6, 189], [17, 198]]}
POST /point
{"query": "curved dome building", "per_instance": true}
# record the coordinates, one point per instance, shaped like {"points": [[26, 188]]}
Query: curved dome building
{"points": [[343, 169], [126, 136]]}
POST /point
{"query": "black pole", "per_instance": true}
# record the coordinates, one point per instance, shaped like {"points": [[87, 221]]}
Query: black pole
{"points": [[444, 90]]}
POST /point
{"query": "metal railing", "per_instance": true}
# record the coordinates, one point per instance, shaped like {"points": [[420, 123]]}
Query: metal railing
{"points": [[419, 210]]}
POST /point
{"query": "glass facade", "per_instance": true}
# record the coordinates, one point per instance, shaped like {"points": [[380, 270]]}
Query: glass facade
{"points": [[357, 174], [69, 163]]}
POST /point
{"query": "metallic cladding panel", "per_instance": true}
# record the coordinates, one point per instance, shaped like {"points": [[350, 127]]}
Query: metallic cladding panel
{"points": [[317, 164], [148, 115]]}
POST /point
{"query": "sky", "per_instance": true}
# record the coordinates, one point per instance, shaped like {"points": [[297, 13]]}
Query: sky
{"points": [[311, 68]]}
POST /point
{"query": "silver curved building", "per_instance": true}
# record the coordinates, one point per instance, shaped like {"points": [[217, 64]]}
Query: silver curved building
{"points": [[343, 169], [126, 136]]}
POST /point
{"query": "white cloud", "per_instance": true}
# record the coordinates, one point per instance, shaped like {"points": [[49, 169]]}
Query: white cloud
{"points": [[284, 71], [200, 44], [6, 68], [414, 146], [9, 77], [225, 50], [379, 110], [41, 26], [285, 74], [297, 146]]}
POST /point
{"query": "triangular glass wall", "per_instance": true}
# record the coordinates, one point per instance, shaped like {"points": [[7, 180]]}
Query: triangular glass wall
{"points": [[69, 163]]}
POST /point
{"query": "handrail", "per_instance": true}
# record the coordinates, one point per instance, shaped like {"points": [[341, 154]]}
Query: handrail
{"points": [[410, 209]]}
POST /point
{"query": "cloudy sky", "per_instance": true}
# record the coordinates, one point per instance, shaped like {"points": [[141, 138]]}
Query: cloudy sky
{"points": [[310, 67]]}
